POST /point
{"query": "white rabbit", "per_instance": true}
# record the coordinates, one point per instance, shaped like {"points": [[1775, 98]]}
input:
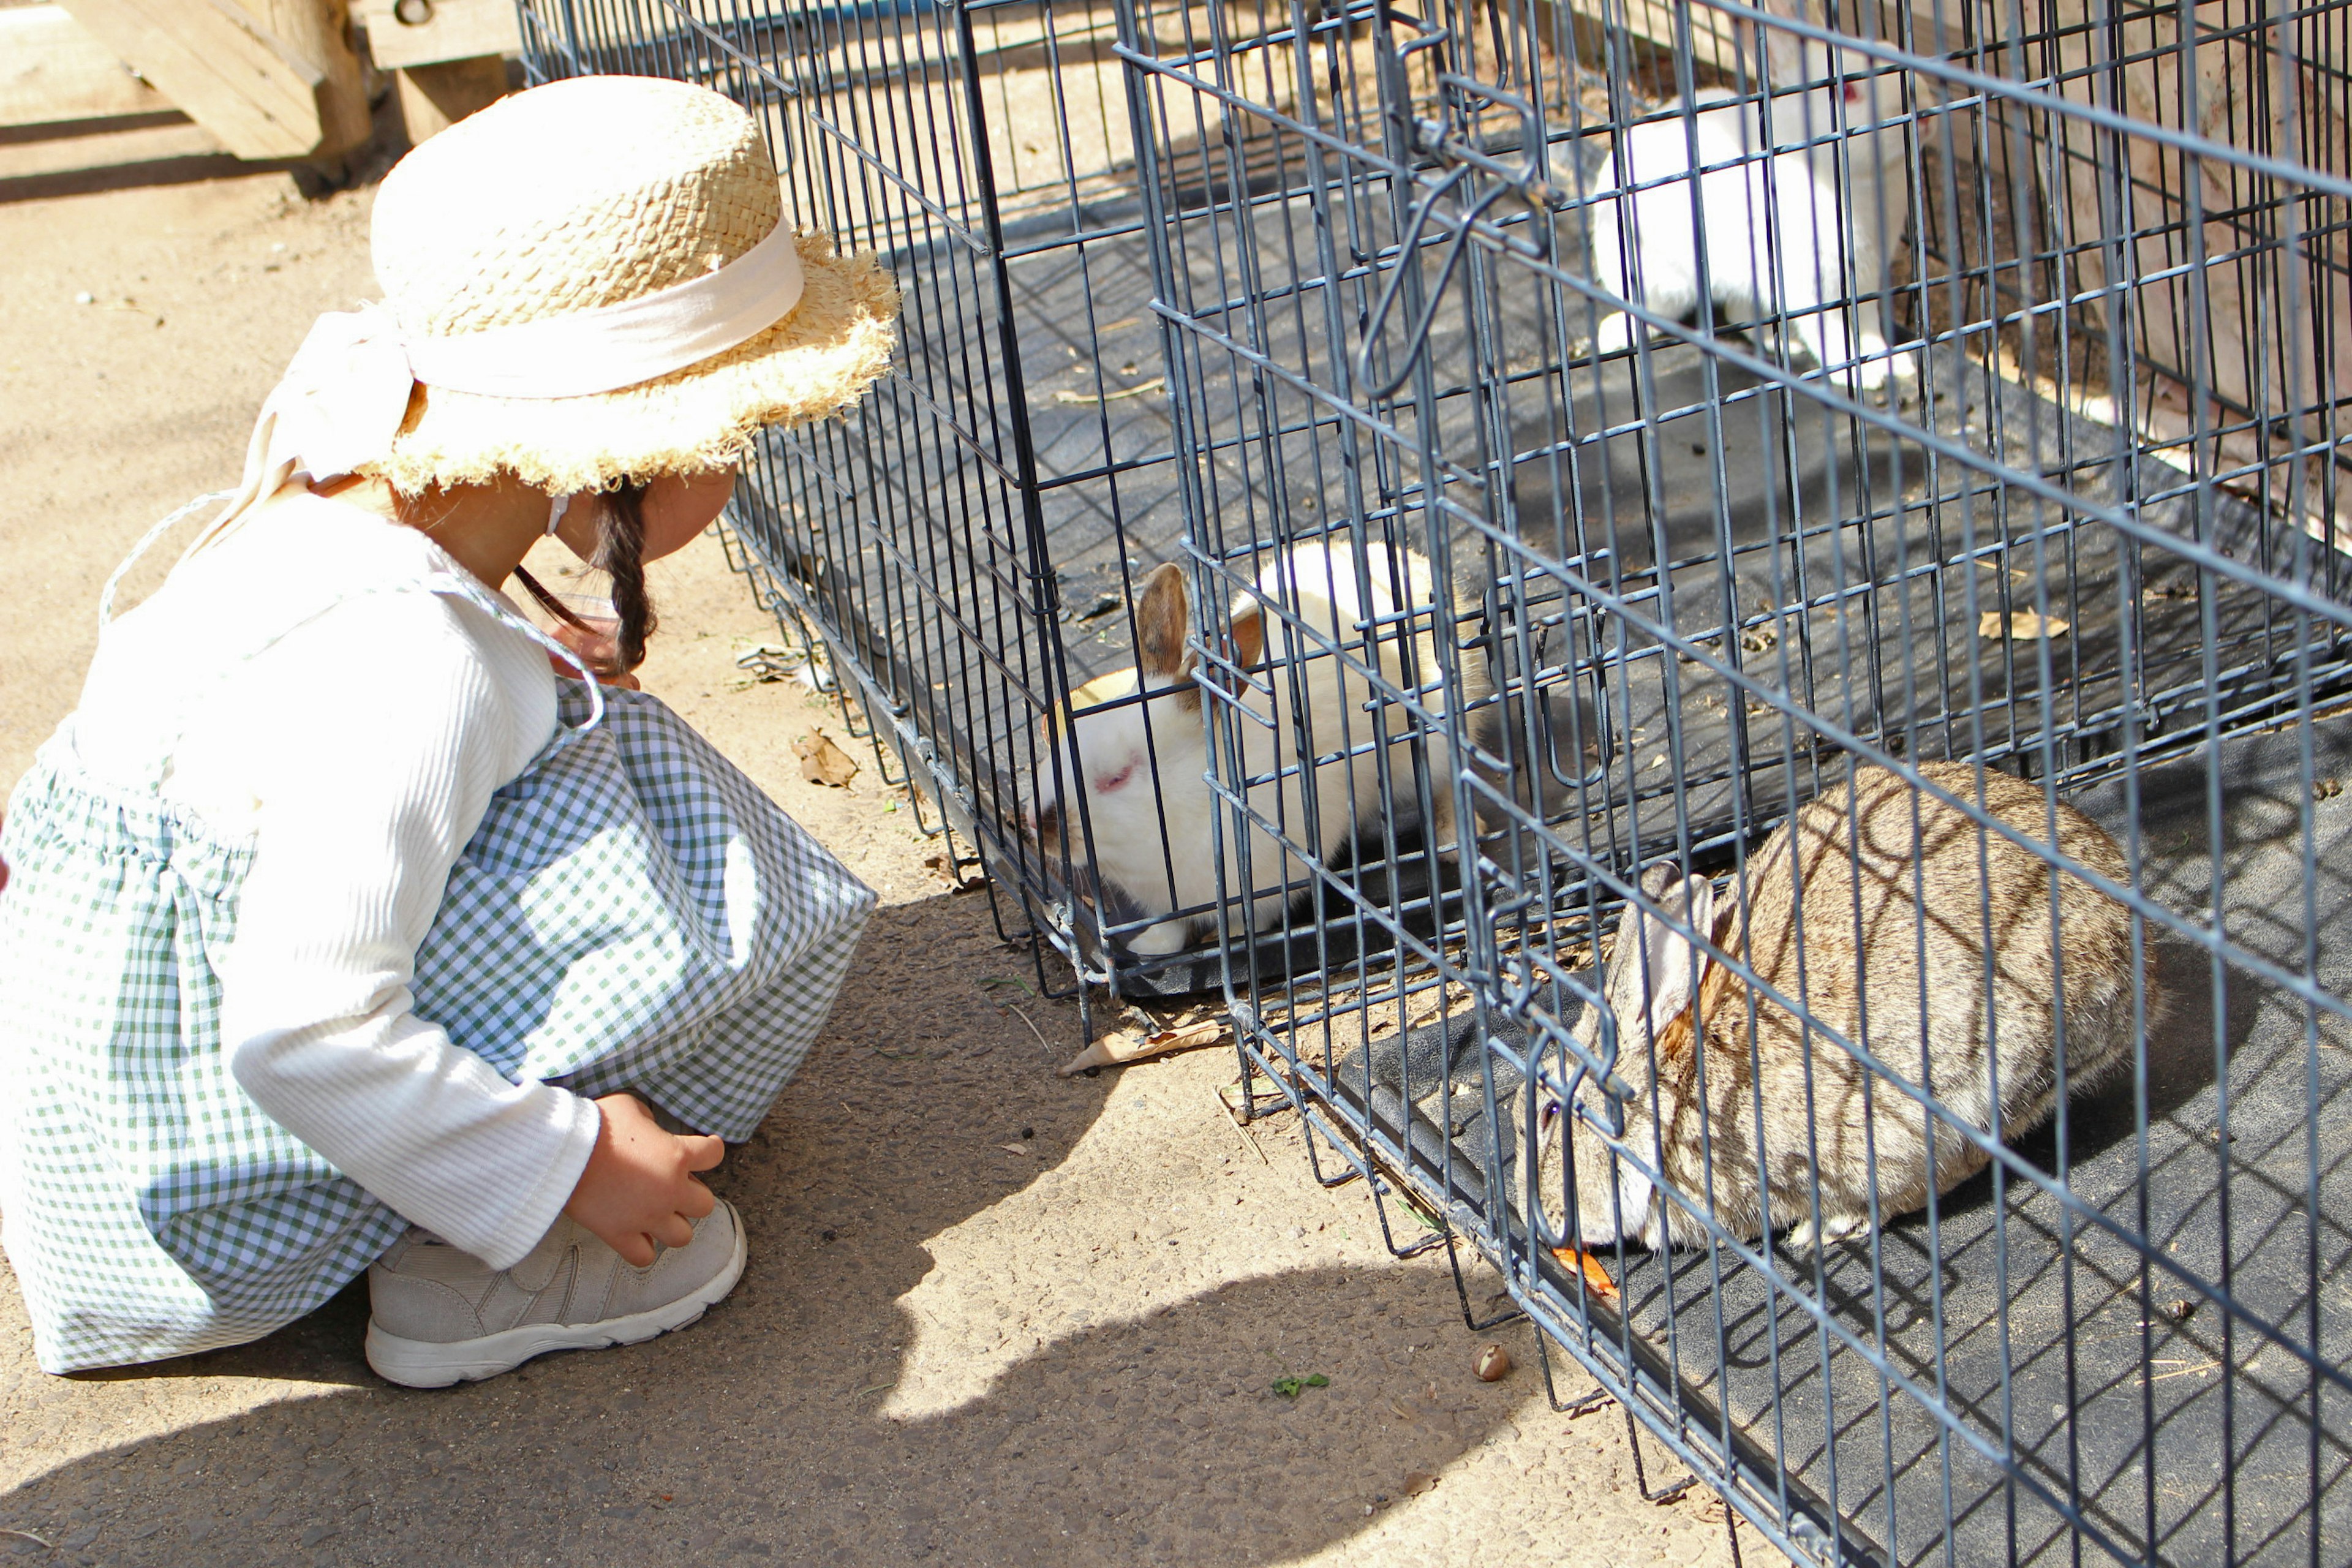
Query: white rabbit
{"points": [[1783, 231], [1142, 765]]}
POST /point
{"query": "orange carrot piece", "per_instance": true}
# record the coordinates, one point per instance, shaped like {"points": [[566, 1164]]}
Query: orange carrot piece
{"points": [[1596, 1277]]}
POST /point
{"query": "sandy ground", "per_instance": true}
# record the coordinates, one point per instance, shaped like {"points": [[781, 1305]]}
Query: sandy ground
{"points": [[991, 1315]]}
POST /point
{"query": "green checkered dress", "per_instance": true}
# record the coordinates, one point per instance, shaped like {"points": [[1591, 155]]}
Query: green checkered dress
{"points": [[631, 912]]}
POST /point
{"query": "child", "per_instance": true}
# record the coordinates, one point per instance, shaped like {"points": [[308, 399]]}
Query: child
{"points": [[343, 936]]}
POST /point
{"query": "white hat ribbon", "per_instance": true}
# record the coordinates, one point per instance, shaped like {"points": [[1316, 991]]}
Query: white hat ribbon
{"points": [[342, 399]]}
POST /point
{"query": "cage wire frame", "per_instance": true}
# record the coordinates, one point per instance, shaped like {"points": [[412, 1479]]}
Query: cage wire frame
{"points": [[965, 544], [2098, 549], [2074, 517]]}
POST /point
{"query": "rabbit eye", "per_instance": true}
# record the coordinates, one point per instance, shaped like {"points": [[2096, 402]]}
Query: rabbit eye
{"points": [[1547, 1115], [1106, 783]]}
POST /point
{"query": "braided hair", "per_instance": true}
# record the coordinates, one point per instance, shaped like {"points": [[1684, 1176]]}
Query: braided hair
{"points": [[619, 555]]}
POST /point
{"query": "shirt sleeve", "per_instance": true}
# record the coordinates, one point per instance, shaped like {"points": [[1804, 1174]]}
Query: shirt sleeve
{"points": [[382, 731]]}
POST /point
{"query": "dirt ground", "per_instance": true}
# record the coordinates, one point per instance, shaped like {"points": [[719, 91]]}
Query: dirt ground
{"points": [[991, 1315]]}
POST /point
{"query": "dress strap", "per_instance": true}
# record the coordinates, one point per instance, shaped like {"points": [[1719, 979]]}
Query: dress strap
{"points": [[460, 586], [114, 581]]}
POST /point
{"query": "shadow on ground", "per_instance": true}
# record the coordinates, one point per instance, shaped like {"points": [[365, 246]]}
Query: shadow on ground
{"points": [[1123, 1434]]}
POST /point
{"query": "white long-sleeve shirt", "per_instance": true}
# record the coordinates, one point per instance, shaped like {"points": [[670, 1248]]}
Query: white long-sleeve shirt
{"points": [[360, 749]]}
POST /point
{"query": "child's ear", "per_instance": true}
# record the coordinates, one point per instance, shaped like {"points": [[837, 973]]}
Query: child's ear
{"points": [[1163, 614]]}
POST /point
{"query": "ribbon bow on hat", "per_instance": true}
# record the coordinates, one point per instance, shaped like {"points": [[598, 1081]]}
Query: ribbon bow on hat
{"points": [[341, 400], [340, 404]]}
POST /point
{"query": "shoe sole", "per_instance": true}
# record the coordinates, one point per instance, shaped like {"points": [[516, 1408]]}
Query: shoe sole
{"points": [[419, 1364]]}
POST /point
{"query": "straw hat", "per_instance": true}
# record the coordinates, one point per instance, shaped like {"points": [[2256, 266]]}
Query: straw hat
{"points": [[584, 199]]}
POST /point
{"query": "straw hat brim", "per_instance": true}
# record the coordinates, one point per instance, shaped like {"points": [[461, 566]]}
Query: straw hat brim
{"points": [[815, 362]]}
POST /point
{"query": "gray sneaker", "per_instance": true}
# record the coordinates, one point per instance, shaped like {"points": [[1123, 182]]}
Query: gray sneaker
{"points": [[441, 1316]]}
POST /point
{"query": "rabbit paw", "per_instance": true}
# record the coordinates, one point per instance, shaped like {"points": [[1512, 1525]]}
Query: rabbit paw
{"points": [[1885, 376], [1159, 941], [1614, 334], [1907, 380], [1835, 1229]]}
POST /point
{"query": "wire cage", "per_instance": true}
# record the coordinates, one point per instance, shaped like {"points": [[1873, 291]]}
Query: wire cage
{"points": [[959, 555], [1780, 573], [1730, 626]]}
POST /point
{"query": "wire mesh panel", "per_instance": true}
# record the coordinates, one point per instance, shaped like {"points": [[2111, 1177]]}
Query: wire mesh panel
{"points": [[1729, 626], [965, 546], [1769, 595]]}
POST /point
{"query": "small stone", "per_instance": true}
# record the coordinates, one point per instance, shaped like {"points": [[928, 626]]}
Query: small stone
{"points": [[1493, 1363], [85, 298]]}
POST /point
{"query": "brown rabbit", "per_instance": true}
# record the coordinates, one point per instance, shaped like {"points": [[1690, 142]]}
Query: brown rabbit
{"points": [[1884, 929]]}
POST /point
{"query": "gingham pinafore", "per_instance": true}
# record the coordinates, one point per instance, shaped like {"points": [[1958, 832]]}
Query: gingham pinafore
{"points": [[631, 912]]}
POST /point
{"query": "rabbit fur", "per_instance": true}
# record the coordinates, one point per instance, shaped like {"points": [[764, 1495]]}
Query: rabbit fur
{"points": [[1863, 934], [1142, 765], [1782, 233]]}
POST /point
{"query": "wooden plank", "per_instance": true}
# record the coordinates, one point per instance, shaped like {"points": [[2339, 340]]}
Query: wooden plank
{"points": [[53, 72], [450, 30], [435, 97], [212, 60], [317, 33]]}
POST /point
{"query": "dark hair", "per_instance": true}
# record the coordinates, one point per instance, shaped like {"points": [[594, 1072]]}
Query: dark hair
{"points": [[619, 555]]}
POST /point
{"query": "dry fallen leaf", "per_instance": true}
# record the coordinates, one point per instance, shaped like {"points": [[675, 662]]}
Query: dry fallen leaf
{"points": [[1021, 1148], [822, 762], [1128, 1045], [1419, 1481], [1075, 399], [1596, 1277], [2022, 624]]}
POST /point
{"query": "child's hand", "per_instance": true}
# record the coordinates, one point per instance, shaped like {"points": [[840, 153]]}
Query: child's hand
{"points": [[639, 1186], [625, 681], [597, 647]]}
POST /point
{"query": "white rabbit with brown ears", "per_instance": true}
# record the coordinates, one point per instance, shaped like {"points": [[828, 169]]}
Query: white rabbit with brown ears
{"points": [[1142, 765], [1751, 1115], [1792, 230]]}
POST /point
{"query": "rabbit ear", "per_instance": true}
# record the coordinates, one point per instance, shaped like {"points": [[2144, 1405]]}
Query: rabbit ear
{"points": [[1676, 970], [1701, 893], [1665, 968], [1783, 50], [1249, 632], [1163, 614]]}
